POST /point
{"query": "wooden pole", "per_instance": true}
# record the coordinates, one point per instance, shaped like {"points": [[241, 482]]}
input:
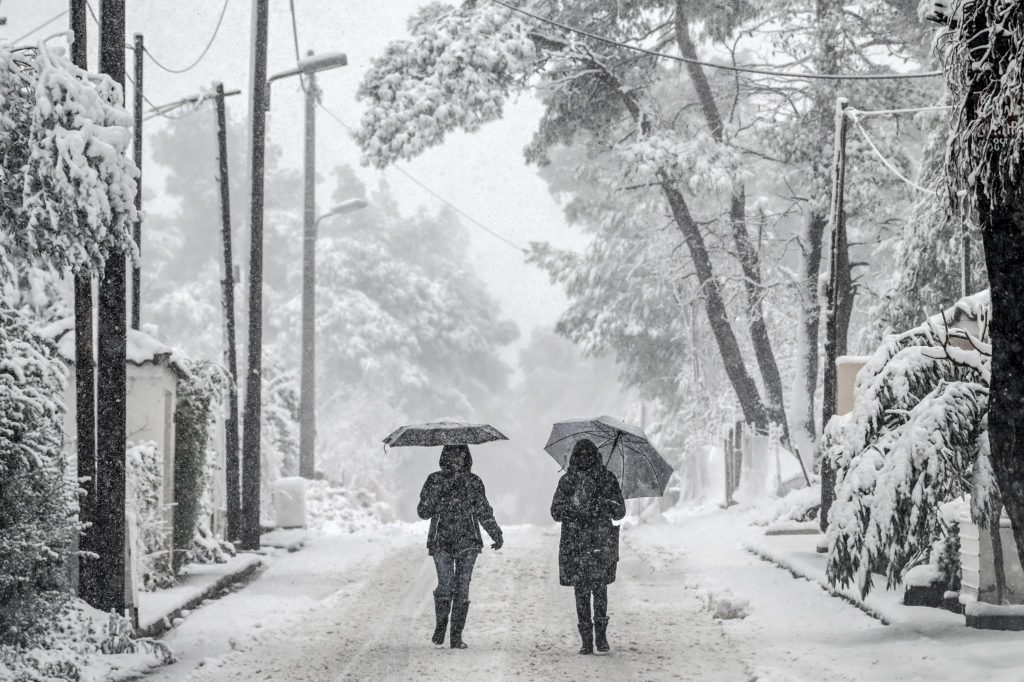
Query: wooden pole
{"points": [[250, 531], [85, 369], [307, 383], [232, 473], [137, 150], [839, 273], [110, 375]]}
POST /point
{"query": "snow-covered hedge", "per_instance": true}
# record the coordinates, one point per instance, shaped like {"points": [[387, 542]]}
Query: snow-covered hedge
{"points": [[334, 508], [199, 394], [912, 443], [152, 550], [37, 499]]}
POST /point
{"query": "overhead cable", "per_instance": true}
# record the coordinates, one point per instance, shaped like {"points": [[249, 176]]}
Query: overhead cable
{"points": [[726, 67]]}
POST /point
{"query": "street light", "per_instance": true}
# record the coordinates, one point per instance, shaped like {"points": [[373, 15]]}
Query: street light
{"points": [[307, 382], [308, 68]]}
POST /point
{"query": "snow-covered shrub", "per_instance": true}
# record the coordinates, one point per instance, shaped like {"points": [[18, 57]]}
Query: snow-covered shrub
{"points": [[456, 72], [144, 478], [67, 187], [909, 446], [279, 439], [37, 499], [798, 505], [199, 394], [334, 508], [70, 644]]}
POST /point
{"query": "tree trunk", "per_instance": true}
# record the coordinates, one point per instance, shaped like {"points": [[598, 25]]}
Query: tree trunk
{"points": [[1003, 235], [754, 412], [746, 253], [810, 323]]}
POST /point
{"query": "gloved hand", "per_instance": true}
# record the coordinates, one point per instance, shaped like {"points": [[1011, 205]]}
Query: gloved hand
{"points": [[498, 542]]}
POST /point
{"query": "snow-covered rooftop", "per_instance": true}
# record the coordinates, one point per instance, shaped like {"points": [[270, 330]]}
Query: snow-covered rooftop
{"points": [[142, 348]]}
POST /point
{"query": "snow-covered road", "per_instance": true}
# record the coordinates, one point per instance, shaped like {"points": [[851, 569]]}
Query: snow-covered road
{"points": [[377, 624], [359, 607]]}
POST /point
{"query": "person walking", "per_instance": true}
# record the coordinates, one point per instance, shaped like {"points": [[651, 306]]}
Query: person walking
{"points": [[588, 498], [455, 502]]}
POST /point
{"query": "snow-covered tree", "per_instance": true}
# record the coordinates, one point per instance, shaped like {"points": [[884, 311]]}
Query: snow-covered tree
{"points": [[910, 445], [982, 45]]}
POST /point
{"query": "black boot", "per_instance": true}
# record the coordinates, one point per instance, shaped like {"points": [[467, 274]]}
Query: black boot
{"points": [[587, 635], [442, 606], [601, 634], [459, 611]]}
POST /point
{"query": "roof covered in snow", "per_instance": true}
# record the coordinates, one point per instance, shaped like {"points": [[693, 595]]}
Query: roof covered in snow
{"points": [[142, 348]]}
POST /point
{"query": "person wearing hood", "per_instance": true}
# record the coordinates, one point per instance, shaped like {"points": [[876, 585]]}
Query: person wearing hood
{"points": [[587, 500], [455, 502]]}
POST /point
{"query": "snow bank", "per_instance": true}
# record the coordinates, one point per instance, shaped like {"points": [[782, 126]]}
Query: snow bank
{"points": [[798, 506], [725, 605]]}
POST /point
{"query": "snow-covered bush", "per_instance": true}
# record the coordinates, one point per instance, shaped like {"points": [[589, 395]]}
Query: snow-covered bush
{"points": [[144, 478], [199, 393], [796, 506], [279, 439], [909, 446], [70, 645], [37, 499], [67, 187], [334, 508]]}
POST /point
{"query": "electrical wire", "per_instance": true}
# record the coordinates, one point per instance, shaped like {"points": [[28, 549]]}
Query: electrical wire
{"points": [[725, 67], [40, 27], [209, 44], [885, 162], [295, 42], [893, 112], [431, 192]]}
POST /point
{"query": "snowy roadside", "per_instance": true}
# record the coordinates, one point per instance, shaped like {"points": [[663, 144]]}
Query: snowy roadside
{"points": [[280, 597], [794, 630]]}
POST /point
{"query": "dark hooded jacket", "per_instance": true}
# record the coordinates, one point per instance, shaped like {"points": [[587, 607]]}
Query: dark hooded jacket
{"points": [[586, 501], [455, 502]]}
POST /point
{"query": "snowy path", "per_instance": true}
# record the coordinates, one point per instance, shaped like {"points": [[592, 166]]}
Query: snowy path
{"points": [[521, 625]]}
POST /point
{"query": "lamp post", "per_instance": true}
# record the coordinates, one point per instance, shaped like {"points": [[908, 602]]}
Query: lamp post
{"points": [[307, 386], [307, 68]]}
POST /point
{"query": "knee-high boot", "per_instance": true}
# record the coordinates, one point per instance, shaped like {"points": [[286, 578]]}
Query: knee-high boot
{"points": [[442, 607], [459, 611], [601, 619]]}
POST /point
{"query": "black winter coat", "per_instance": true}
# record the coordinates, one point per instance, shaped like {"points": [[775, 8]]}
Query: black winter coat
{"points": [[456, 504], [586, 501]]}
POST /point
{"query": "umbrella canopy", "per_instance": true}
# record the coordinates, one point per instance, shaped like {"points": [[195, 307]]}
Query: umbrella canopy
{"points": [[443, 432], [625, 451]]}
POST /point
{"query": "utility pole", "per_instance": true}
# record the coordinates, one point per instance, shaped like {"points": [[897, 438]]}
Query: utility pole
{"points": [[837, 315], [232, 477], [250, 531], [85, 370], [111, 350], [137, 150], [307, 385]]}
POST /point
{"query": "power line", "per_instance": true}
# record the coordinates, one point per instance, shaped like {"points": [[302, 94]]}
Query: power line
{"points": [[885, 162], [206, 49], [431, 192], [39, 27], [725, 67]]}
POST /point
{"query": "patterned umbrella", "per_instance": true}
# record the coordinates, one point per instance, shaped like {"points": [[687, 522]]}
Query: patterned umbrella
{"points": [[443, 432], [625, 451]]}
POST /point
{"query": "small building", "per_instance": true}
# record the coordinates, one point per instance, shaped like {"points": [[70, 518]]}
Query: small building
{"points": [[153, 372]]}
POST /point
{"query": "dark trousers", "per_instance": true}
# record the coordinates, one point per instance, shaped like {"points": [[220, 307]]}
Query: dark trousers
{"points": [[454, 572], [583, 593]]}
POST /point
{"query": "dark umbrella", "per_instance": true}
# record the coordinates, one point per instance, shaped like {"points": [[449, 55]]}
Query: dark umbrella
{"points": [[443, 432], [625, 451]]}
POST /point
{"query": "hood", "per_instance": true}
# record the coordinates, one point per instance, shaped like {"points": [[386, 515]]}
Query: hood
{"points": [[584, 456], [456, 458]]}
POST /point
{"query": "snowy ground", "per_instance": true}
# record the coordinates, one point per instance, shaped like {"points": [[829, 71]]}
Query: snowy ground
{"points": [[359, 607]]}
